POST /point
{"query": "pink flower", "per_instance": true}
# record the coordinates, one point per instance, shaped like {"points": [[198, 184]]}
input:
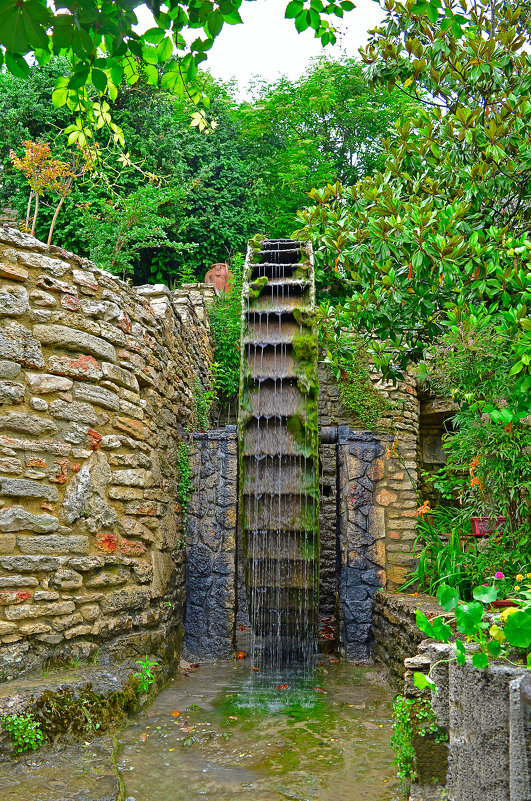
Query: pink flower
{"points": [[499, 574]]}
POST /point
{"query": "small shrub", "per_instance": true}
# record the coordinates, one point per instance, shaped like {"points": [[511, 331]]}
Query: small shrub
{"points": [[145, 674], [24, 730]]}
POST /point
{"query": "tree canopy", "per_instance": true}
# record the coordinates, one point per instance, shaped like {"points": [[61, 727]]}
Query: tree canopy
{"points": [[206, 193], [444, 226]]}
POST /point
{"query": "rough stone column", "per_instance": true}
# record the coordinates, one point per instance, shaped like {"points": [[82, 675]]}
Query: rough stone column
{"points": [[361, 539], [211, 546]]}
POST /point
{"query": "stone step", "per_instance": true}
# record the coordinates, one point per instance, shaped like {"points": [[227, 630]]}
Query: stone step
{"points": [[265, 437], [276, 396], [278, 252], [280, 512], [272, 327], [264, 544], [281, 297], [273, 270], [274, 474], [270, 361]]}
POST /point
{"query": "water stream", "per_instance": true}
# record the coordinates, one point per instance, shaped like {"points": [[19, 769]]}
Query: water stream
{"points": [[224, 733]]}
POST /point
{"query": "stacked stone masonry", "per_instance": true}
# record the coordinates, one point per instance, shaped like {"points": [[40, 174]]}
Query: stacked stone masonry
{"points": [[96, 392], [394, 474]]}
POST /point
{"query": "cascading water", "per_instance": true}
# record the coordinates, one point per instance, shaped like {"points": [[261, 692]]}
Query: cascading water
{"points": [[279, 451]]}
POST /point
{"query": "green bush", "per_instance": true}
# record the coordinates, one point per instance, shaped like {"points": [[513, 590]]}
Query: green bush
{"points": [[225, 323], [24, 730]]}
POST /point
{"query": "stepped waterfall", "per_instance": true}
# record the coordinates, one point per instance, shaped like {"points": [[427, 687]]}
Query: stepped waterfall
{"points": [[279, 451]]}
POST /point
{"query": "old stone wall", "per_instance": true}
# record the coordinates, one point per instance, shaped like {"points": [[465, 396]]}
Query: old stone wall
{"points": [[396, 635], [209, 622], [96, 387], [394, 476]]}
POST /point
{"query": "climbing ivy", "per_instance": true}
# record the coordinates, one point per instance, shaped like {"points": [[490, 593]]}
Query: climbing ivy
{"points": [[412, 716], [203, 399], [184, 487]]}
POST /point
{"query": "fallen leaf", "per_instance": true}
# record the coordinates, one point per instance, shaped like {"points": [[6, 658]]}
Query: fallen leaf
{"points": [[333, 659], [241, 654], [143, 737], [233, 717], [175, 713], [282, 686], [318, 689], [255, 668], [150, 714], [195, 666]]}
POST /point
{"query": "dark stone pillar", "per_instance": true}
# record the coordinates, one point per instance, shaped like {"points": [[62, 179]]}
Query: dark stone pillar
{"points": [[211, 546], [361, 540]]}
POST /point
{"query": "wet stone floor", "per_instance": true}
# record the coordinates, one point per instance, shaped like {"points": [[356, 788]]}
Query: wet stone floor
{"points": [[224, 732]]}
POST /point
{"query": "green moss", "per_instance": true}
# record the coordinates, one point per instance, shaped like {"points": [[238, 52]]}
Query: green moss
{"points": [[302, 269], [257, 241], [257, 286], [304, 316], [305, 352], [360, 397], [83, 712]]}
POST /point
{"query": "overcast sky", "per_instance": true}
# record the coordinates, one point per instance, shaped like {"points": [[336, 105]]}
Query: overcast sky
{"points": [[267, 45]]}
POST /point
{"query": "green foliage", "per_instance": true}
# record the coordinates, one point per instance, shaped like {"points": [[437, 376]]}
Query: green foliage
{"points": [[326, 125], [25, 732], [412, 717], [184, 487], [443, 226], [103, 48], [129, 225], [201, 186], [203, 399], [488, 640], [488, 467], [446, 553], [145, 674], [225, 318]]}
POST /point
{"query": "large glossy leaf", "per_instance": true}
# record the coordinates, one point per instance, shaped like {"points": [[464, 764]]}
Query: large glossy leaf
{"points": [[517, 629], [468, 617], [448, 597], [485, 594]]}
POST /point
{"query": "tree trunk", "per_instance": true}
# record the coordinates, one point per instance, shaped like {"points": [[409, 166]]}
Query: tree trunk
{"points": [[35, 215], [28, 210], [56, 212]]}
